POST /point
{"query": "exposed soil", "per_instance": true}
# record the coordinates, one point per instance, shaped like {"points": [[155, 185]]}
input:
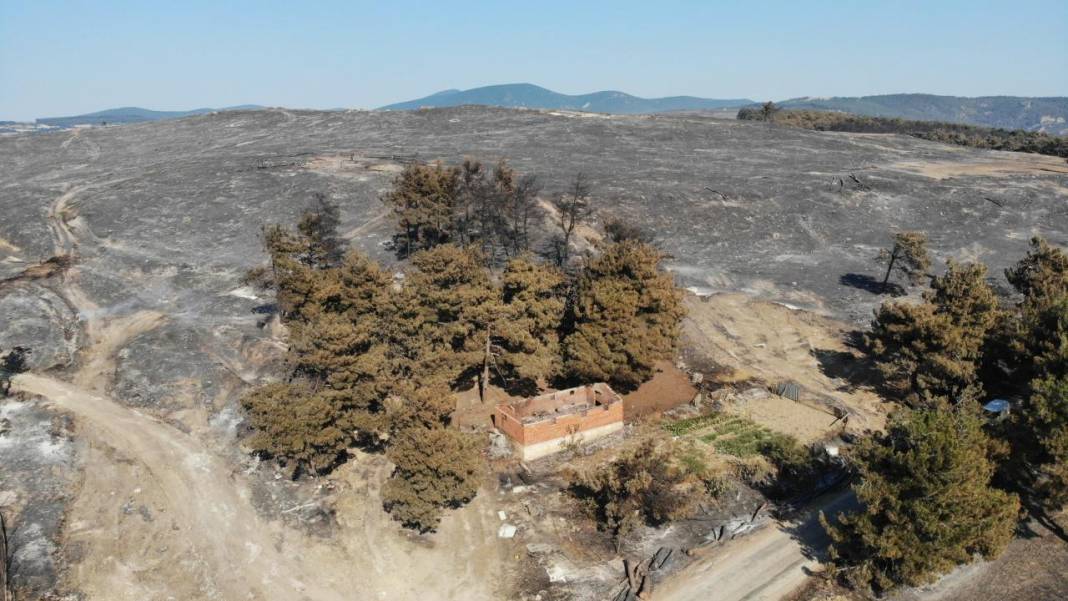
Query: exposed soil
{"points": [[668, 388], [765, 566], [1001, 164], [781, 414], [772, 343]]}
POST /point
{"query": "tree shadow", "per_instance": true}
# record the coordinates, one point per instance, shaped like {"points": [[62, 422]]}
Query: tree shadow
{"points": [[265, 309], [808, 531], [870, 285], [857, 370], [1030, 501], [519, 387]]}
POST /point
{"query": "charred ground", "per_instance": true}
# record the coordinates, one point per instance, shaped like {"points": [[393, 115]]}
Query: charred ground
{"points": [[163, 219]]}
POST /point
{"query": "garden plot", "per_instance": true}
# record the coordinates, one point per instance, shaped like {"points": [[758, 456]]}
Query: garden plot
{"points": [[728, 434]]}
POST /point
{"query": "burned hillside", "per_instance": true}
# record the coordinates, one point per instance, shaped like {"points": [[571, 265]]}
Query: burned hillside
{"points": [[149, 334]]}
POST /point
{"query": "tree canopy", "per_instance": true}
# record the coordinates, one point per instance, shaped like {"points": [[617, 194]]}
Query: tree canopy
{"points": [[1042, 418], [930, 353], [1042, 274], [472, 206], [625, 316], [436, 469], [927, 503], [908, 257], [375, 359]]}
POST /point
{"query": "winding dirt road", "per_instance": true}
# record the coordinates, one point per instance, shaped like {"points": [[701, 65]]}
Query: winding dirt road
{"points": [[196, 534]]}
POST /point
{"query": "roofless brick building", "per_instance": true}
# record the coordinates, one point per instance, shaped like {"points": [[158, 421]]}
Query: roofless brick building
{"points": [[544, 424]]}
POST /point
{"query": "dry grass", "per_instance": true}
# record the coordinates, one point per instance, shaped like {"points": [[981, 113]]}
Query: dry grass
{"points": [[1002, 166], [753, 340]]}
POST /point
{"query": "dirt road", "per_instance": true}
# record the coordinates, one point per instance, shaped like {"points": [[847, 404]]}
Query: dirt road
{"points": [[161, 516], [208, 506], [765, 566]]}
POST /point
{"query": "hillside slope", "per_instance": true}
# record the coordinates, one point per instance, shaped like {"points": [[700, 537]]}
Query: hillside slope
{"points": [[153, 325]]}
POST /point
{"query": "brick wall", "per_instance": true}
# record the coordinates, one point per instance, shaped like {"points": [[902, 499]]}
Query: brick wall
{"points": [[509, 424], [557, 427]]}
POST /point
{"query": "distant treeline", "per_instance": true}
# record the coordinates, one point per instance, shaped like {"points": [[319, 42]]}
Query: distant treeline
{"points": [[1017, 140]]}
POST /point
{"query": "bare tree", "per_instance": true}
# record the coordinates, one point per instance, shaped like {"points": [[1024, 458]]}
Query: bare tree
{"points": [[522, 204], [573, 208], [319, 225], [473, 190], [768, 110]]}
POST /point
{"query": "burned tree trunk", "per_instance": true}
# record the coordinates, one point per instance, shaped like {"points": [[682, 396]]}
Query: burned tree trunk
{"points": [[487, 357], [5, 584]]}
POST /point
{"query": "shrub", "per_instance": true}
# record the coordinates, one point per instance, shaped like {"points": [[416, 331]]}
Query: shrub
{"points": [[798, 468], [642, 486], [950, 133]]}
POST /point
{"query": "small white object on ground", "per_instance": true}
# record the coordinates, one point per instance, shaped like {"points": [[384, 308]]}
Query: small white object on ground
{"points": [[506, 531]]}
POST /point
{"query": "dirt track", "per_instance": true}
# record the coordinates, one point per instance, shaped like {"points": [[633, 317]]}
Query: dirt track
{"points": [[765, 566], [205, 503], [198, 535]]}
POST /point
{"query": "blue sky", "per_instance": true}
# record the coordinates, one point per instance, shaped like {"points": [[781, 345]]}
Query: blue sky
{"points": [[61, 58]]}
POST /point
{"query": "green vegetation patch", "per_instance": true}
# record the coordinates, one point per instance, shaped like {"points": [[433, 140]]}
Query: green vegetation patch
{"points": [[730, 434]]}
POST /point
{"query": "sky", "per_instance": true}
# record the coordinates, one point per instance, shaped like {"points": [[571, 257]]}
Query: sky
{"points": [[66, 58]]}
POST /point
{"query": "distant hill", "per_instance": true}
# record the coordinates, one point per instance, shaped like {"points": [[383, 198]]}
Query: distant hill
{"points": [[1048, 115], [525, 95], [131, 114]]}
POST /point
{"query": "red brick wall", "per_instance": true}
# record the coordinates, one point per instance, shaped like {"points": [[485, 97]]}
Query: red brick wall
{"points": [[558, 427], [508, 424]]}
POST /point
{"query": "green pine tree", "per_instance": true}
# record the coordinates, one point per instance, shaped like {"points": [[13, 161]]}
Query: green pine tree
{"points": [[930, 353], [927, 503], [625, 316], [436, 469]]}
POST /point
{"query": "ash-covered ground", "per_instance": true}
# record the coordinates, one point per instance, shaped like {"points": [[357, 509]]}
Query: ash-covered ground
{"points": [[168, 214], [164, 218]]}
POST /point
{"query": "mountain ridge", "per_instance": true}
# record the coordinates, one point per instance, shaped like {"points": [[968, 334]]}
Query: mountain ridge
{"points": [[133, 114], [1046, 114], [527, 95]]}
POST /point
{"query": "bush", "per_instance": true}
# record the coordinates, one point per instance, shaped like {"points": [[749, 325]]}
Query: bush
{"points": [[798, 468], [643, 486], [750, 113], [694, 462], [436, 469]]}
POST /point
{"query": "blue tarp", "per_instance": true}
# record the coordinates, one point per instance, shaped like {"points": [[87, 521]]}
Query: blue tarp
{"points": [[997, 406]]}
